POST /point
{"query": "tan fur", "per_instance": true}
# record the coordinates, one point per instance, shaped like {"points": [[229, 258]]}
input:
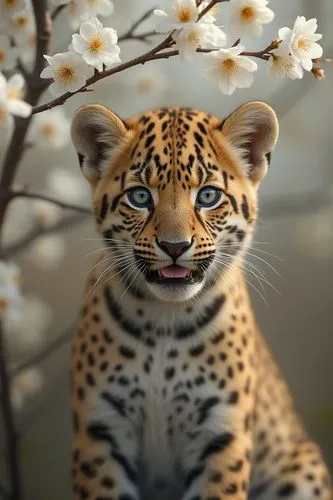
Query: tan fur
{"points": [[175, 393]]}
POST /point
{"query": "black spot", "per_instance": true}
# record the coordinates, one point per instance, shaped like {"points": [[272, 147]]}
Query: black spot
{"points": [[150, 140], [233, 398], [199, 138], [286, 490], [90, 380], [197, 350], [169, 373], [173, 353], [124, 381], [205, 408], [87, 469], [217, 445], [127, 352], [215, 477], [245, 207], [218, 338], [117, 403], [107, 482]]}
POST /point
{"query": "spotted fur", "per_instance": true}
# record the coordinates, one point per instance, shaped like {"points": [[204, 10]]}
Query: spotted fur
{"points": [[175, 393]]}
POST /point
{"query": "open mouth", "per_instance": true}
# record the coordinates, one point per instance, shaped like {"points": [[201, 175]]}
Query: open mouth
{"points": [[174, 274]]}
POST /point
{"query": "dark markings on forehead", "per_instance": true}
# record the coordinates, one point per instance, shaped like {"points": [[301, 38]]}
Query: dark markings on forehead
{"points": [[170, 140]]}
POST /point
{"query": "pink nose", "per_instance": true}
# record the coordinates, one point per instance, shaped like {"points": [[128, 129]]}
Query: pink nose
{"points": [[174, 250]]}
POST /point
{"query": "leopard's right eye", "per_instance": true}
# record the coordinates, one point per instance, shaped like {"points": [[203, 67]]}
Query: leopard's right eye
{"points": [[140, 197]]}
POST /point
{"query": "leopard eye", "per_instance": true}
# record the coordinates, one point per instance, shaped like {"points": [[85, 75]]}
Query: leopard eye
{"points": [[208, 197], [140, 197]]}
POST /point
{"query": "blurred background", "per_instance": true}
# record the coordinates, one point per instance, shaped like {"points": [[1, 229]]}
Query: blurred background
{"points": [[294, 306]]}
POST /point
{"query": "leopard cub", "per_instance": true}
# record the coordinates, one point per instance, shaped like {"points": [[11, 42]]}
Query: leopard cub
{"points": [[175, 393]]}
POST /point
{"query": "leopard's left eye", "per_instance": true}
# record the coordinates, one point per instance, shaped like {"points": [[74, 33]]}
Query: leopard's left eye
{"points": [[208, 197]]}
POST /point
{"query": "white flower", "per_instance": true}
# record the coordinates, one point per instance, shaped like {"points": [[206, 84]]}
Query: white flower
{"points": [[301, 41], [21, 25], [148, 81], [25, 385], [66, 186], [96, 44], [59, 2], [248, 16], [8, 54], [27, 48], [282, 64], [36, 318], [10, 296], [6, 128], [11, 92], [19, 221], [210, 16], [229, 69], [45, 213], [82, 10], [47, 252], [198, 35], [68, 70], [179, 14], [9, 7], [50, 129]]}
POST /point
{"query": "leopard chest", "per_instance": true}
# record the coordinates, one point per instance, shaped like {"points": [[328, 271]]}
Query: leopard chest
{"points": [[171, 405]]}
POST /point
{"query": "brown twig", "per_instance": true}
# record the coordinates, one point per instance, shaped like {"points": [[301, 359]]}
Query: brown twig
{"points": [[149, 56], [57, 11], [39, 196], [38, 231], [210, 6], [38, 358], [142, 37], [12, 445]]}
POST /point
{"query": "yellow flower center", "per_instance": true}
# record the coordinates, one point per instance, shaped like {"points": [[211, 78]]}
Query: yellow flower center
{"points": [[96, 44], [10, 3], [2, 55], [248, 14], [14, 94], [64, 73], [3, 304], [20, 21], [146, 85], [184, 15], [303, 44], [3, 114], [48, 129], [228, 66], [194, 38]]}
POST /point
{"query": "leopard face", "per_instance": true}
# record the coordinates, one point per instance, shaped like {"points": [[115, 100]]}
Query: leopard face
{"points": [[175, 191]]}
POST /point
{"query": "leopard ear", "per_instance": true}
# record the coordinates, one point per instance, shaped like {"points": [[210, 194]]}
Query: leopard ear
{"points": [[97, 135], [253, 130]]}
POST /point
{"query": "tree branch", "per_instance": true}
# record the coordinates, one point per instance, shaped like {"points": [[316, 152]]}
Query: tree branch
{"points": [[39, 196], [152, 55], [38, 231], [8, 420], [38, 358], [35, 88], [130, 34]]}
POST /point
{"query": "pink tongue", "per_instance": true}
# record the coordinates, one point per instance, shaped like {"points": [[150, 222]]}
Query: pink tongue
{"points": [[174, 272]]}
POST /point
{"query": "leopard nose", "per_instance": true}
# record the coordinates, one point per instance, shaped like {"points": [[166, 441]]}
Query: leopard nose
{"points": [[176, 249]]}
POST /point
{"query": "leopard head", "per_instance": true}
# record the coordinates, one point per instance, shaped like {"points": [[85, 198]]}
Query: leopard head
{"points": [[175, 190]]}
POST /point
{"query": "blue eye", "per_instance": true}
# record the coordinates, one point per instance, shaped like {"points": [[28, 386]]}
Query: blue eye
{"points": [[140, 197], [208, 197]]}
